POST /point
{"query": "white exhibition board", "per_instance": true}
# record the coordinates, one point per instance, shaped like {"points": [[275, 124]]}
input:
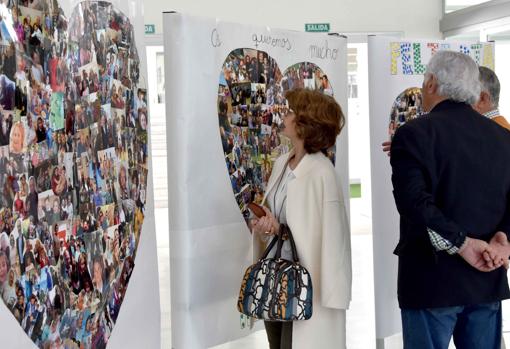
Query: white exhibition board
{"points": [[210, 244], [394, 65], [138, 322]]}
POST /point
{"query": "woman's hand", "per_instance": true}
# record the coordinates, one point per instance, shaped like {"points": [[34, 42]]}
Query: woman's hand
{"points": [[266, 225]]}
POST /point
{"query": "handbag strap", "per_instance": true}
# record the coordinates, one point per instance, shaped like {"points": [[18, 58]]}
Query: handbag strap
{"points": [[284, 229], [278, 253], [270, 247]]}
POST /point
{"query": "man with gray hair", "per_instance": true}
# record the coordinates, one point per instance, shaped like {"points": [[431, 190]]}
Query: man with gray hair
{"points": [[452, 190], [488, 103]]}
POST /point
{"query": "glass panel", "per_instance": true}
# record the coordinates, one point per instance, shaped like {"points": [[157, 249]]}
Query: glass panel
{"points": [[503, 73], [160, 77], [357, 78], [156, 93], [156, 89], [352, 71], [454, 5]]}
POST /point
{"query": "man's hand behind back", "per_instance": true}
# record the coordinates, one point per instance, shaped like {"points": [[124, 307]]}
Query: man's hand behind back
{"points": [[499, 251], [477, 253]]}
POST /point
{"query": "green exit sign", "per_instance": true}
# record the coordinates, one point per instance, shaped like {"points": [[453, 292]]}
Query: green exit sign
{"points": [[317, 27], [150, 28]]}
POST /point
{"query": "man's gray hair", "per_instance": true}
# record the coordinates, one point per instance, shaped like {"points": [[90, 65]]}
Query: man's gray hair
{"points": [[457, 76], [490, 84]]}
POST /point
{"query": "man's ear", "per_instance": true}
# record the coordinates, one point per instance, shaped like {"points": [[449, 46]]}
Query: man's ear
{"points": [[431, 84], [485, 98]]}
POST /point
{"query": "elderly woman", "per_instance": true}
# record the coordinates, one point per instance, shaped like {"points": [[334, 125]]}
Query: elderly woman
{"points": [[303, 192]]}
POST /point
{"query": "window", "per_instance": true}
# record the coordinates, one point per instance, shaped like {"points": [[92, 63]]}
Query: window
{"points": [[454, 5], [502, 41], [359, 138], [160, 77], [352, 71]]}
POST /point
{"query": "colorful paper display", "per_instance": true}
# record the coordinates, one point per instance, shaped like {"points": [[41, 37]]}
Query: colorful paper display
{"points": [[411, 58]]}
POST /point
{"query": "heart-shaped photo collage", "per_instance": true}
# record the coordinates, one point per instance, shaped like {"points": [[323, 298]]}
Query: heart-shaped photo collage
{"points": [[407, 106], [73, 168], [251, 105]]}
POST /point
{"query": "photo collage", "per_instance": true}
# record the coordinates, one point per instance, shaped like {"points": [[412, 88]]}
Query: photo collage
{"points": [[309, 75], [251, 105], [407, 106], [73, 168]]}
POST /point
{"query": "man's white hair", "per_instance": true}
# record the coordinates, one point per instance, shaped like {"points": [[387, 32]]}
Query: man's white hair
{"points": [[457, 76]]}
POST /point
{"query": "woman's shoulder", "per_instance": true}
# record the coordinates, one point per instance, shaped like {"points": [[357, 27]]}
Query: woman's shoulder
{"points": [[322, 165], [324, 170]]}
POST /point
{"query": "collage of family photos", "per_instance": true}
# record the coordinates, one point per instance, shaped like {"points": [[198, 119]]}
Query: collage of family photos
{"points": [[309, 75], [73, 168], [251, 105], [407, 106]]}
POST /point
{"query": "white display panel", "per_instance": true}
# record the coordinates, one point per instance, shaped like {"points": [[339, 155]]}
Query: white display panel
{"points": [[209, 240]]}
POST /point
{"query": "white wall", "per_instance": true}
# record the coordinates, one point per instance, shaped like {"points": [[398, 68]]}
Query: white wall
{"points": [[416, 18]]}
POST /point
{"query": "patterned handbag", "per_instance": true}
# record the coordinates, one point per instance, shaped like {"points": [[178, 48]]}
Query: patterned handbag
{"points": [[277, 289]]}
